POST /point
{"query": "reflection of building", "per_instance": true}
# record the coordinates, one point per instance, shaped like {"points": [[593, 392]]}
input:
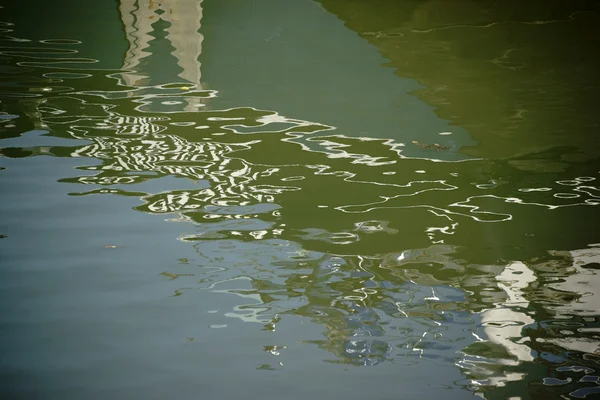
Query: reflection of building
{"points": [[501, 68], [518, 332], [503, 325], [164, 42], [408, 305], [583, 280]]}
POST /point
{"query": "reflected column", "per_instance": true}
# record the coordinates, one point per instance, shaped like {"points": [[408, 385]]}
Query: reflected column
{"points": [[151, 28]]}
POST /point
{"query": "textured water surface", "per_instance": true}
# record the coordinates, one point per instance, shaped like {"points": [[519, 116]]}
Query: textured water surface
{"points": [[267, 199]]}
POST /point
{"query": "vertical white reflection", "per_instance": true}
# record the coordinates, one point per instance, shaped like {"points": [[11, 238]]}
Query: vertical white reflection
{"points": [[585, 283], [504, 324], [183, 34]]}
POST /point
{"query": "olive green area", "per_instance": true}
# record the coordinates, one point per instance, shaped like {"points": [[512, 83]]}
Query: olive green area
{"points": [[50, 30], [519, 76]]}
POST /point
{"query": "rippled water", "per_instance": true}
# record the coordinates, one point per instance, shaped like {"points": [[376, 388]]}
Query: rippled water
{"points": [[263, 198]]}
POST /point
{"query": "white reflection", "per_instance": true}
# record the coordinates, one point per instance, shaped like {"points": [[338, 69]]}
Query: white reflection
{"points": [[503, 324], [575, 276], [183, 34]]}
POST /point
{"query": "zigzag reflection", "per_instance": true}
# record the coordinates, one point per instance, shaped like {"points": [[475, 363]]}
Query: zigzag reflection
{"points": [[292, 219], [147, 144], [265, 183]]}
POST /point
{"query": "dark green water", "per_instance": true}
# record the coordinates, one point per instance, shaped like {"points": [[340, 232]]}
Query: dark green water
{"points": [[298, 199]]}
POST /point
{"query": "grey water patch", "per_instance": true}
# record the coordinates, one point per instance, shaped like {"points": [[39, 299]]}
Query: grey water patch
{"points": [[585, 392], [39, 137], [575, 368], [556, 382]]}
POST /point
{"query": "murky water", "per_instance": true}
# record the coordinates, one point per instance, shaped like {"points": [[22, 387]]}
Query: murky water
{"points": [[269, 199]]}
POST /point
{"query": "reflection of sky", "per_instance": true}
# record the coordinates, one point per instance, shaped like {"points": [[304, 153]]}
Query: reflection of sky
{"points": [[300, 61]]}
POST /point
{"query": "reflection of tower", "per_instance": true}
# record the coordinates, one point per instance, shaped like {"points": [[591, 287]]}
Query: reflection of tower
{"points": [[151, 28], [504, 323]]}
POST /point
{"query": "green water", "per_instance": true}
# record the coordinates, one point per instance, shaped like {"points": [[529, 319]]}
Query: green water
{"points": [[299, 199]]}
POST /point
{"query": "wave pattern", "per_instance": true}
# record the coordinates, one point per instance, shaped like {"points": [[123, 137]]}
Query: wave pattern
{"points": [[401, 260]]}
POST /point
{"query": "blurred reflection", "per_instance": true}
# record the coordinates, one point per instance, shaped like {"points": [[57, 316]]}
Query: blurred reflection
{"points": [[152, 28], [518, 76], [258, 206], [402, 260], [546, 327]]}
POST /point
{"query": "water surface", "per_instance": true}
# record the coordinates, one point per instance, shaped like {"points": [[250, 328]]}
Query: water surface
{"points": [[262, 198]]}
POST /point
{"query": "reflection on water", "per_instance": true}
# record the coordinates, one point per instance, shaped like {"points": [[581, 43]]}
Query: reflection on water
{"points": [[178, 26], [405, 258], [518, 76]]}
